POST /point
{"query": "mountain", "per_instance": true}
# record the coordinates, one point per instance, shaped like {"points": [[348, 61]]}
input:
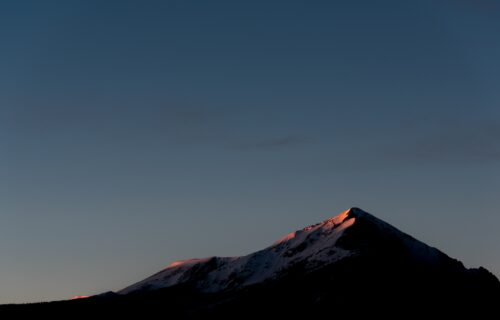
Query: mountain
{"points": [[353, 264], [311, 248], [314, 246]]}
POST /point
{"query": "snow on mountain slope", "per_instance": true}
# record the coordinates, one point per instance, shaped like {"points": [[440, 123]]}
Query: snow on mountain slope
{"points": [[313, 245], [311, 248]]}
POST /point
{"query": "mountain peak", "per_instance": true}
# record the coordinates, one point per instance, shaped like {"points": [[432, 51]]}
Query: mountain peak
{"points": [[351, 234], [351, 213], [356, 212], [312, 246], [309, 271], [318, 228]]}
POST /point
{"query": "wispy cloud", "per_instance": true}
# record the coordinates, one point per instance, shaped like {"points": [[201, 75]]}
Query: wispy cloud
{"points": [[474, 142], [438, 143], [272, 142]]}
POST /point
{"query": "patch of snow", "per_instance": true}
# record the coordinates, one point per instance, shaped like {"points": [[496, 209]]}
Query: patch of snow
{"points": [[188, 262]]}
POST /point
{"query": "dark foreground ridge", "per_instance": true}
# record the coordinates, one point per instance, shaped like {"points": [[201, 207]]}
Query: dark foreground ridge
{"points": [[351, 265]]}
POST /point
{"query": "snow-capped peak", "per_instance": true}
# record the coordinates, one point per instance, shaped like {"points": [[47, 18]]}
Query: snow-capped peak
{"points": [[309, 249], [312, 246]]}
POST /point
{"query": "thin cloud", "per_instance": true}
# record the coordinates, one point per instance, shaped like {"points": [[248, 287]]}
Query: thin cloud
{"points": [[469, 143], [452, 142], [272, 143]]}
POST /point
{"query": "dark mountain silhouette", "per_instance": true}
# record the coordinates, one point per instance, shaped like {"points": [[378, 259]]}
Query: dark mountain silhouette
{"points": [[351, 265]]}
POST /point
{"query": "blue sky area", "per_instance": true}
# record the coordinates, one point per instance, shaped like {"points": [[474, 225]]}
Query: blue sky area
{"points": [[136, 133]]}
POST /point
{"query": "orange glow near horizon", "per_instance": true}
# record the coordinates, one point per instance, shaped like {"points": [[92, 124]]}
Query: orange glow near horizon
{"points": [[80, 297]]}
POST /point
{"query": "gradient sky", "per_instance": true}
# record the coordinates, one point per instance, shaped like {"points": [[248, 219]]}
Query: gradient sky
{"points": [[136, 133]]}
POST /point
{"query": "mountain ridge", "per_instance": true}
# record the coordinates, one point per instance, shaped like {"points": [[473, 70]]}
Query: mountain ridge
{"points": [[278, 254], [352, 232], [353, 264]]}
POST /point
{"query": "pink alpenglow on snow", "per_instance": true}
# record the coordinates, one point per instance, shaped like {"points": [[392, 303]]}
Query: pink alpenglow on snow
{"points": [[313, 246], [186, 262]]}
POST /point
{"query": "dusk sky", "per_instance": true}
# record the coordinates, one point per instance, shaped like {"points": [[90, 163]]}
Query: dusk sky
{"points": [[137, 133]]}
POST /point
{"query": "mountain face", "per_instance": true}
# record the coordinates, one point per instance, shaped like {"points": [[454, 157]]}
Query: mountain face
{"points": [[351, 265], [351, 235], [312, 247]]}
